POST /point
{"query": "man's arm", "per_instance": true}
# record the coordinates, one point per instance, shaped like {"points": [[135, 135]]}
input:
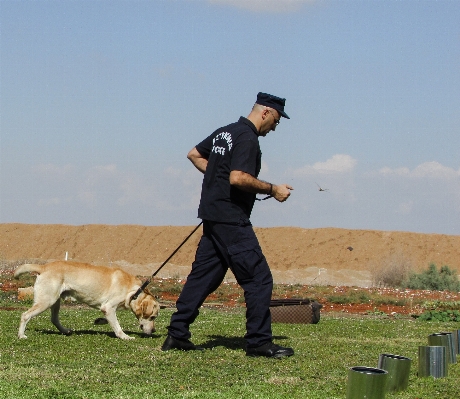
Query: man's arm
{"points": [[244, 181], [197, 159]]}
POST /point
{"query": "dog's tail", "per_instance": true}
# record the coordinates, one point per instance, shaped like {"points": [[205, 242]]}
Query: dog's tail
{"points": [[28, 268]]}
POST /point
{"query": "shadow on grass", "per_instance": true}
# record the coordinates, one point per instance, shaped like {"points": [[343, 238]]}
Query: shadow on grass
{"points": [[234, 343], [110, 334]]}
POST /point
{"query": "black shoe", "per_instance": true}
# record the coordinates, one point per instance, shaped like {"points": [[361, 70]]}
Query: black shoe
{"points": [[270, 350], [182, 344]]}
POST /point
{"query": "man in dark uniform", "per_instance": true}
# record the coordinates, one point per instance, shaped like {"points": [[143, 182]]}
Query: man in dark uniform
{"points": [[230, 159]]}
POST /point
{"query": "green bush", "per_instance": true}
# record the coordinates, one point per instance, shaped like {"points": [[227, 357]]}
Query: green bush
{"points": [[436, 315], [440, 305], [357, 296], [433, 279]]}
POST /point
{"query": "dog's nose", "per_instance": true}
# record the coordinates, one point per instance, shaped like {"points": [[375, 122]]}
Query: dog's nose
{"points": [[151, 331]]}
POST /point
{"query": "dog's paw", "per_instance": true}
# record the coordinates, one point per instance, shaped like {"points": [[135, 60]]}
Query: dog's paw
{"points": [[126, 337], [23, 336]]}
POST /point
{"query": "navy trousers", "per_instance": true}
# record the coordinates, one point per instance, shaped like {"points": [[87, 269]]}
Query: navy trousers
{"points": [[224, 246]]}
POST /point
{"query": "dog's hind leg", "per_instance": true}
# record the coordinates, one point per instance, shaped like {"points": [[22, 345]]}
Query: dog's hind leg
{"points": [[55, 318], [45, 296], [35, 310]]}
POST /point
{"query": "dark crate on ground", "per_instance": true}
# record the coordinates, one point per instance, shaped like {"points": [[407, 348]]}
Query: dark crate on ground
{"points": [[295, 311]]}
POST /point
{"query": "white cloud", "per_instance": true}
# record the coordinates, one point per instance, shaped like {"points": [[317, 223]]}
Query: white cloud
{"points": [[271, 6], [337, 164], [435, 170], [431, 169], [52, 171], [108, 186], [104, 181], [183, 178]]}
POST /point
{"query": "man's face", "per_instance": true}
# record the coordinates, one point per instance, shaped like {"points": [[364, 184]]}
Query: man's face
{"points": [[271, 120]]}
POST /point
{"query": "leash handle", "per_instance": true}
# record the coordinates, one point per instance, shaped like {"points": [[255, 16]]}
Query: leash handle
{"points": [[265, 198], [270, 194], [147, 282]]}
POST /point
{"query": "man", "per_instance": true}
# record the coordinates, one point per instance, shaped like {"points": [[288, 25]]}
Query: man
{"points": [[230, 159]]}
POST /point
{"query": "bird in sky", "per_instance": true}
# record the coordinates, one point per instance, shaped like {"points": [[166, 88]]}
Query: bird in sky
{"points": [[321, 189]]}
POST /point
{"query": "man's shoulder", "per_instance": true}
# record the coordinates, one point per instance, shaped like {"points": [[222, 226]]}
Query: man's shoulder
{"points": [[241, 125]]}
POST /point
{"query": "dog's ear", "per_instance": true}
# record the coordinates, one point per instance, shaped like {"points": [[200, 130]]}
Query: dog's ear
{"points": [[148, 308]]}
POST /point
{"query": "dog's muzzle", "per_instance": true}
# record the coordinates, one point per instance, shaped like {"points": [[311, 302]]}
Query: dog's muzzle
{"points": [[148, 327]]}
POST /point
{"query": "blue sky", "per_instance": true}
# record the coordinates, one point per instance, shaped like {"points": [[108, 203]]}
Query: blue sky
{"points": [[101, 100]]}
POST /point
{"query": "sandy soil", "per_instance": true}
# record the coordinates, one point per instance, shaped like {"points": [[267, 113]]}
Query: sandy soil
{"points": [[326, 256]]}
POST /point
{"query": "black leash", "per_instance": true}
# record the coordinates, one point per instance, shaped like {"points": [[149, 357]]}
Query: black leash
{"points": [[265, 198], [147, 282], [270, 194]]}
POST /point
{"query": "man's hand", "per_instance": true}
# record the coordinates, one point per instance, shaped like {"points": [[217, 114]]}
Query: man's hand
{"points": [[244, 181], [281, 192]]}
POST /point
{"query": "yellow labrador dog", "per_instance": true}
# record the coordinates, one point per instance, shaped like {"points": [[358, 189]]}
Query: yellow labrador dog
{"points": [[101, 287]]}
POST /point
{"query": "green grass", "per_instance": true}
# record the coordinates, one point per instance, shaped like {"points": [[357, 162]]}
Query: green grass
{"points": [[93, 364]]}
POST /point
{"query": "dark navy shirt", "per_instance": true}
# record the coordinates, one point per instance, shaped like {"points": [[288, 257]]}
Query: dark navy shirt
{"points": [[233, 147]]}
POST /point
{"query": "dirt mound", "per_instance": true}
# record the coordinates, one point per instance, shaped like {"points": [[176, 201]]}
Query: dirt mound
{"points": [[305, 256]]}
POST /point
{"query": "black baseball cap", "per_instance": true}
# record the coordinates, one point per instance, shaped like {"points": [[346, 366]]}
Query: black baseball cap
{"points": [[273, 102]]}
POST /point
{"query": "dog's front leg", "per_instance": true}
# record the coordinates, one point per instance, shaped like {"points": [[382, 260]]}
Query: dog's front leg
{"points": [[110, 315]]}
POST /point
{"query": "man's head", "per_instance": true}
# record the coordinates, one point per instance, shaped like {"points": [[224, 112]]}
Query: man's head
{"points": [[273, 102], [267, 112]]}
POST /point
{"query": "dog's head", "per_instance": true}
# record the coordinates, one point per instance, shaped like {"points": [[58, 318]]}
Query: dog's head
{"points": [[146, 309]]}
